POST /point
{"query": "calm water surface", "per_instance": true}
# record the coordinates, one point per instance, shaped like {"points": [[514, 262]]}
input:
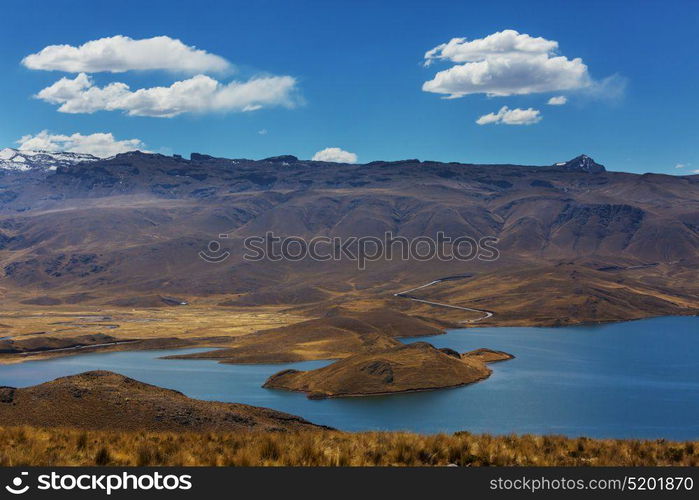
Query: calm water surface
{"points": [[632, 379]]}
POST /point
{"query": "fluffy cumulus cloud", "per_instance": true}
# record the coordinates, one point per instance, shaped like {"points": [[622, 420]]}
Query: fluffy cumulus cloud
{"points": [[558, 100], [119, 53], [98, 144], [509, 116], [504, 63], [335, 155], [504, 43], [199, 94]]}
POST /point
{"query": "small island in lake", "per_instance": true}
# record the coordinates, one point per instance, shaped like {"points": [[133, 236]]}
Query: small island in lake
{"points": [[406, 368]]}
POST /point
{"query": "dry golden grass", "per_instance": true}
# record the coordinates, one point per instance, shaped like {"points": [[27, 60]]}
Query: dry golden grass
{"points": [[149, 323], [183, 322], [27, 446]]}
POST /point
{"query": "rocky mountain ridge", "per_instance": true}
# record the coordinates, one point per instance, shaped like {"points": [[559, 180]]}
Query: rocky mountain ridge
{"points": [[26, 160]]}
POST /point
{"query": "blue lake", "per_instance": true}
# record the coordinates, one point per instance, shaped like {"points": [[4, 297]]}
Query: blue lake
{"points": [[631, 379]]}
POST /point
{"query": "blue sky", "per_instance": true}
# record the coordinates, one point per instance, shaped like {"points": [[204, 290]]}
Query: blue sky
{"points": [[355, 73]]}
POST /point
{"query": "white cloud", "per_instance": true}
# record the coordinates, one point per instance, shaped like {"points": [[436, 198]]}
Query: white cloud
{"points": [[504, 63], [335, 155], [98, 144], [681, 165], [119, 53], [262, 131], [508, 116], [558, 100], [695, 171], [199, 94], [504, 43]]}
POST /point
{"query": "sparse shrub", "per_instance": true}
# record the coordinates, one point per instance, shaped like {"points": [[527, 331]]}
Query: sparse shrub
{"points": [[144, 456], [269, 449], [103, 457], [81, 442]]}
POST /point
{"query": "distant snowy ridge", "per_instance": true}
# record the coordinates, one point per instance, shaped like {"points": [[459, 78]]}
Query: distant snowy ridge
{"points": [[582, 163], [24, 160]]}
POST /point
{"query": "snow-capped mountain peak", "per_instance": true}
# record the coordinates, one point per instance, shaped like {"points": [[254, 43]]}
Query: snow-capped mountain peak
{"points": [[582, 163], [24, 160]]}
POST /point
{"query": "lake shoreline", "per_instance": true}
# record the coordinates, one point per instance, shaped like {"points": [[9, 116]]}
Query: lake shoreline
{"points": [[147, 344], [624, 380]]}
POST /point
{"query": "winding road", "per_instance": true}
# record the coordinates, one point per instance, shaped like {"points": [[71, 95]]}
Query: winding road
{"points": [[74, 348], [406, 295]]}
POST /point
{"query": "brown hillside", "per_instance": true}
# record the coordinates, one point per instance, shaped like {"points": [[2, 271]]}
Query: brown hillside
{"points": [[106, 400], [338, 334]]}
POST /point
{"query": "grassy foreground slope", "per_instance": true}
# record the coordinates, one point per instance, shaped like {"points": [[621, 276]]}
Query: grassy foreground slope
{"points": [[31, 446]]}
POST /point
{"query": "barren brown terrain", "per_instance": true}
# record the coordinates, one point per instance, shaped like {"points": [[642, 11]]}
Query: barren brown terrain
{"points": [[574, 246]]}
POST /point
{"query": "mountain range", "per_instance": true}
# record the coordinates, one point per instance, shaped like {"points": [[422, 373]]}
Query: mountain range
{"points": [[576, 242]]}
